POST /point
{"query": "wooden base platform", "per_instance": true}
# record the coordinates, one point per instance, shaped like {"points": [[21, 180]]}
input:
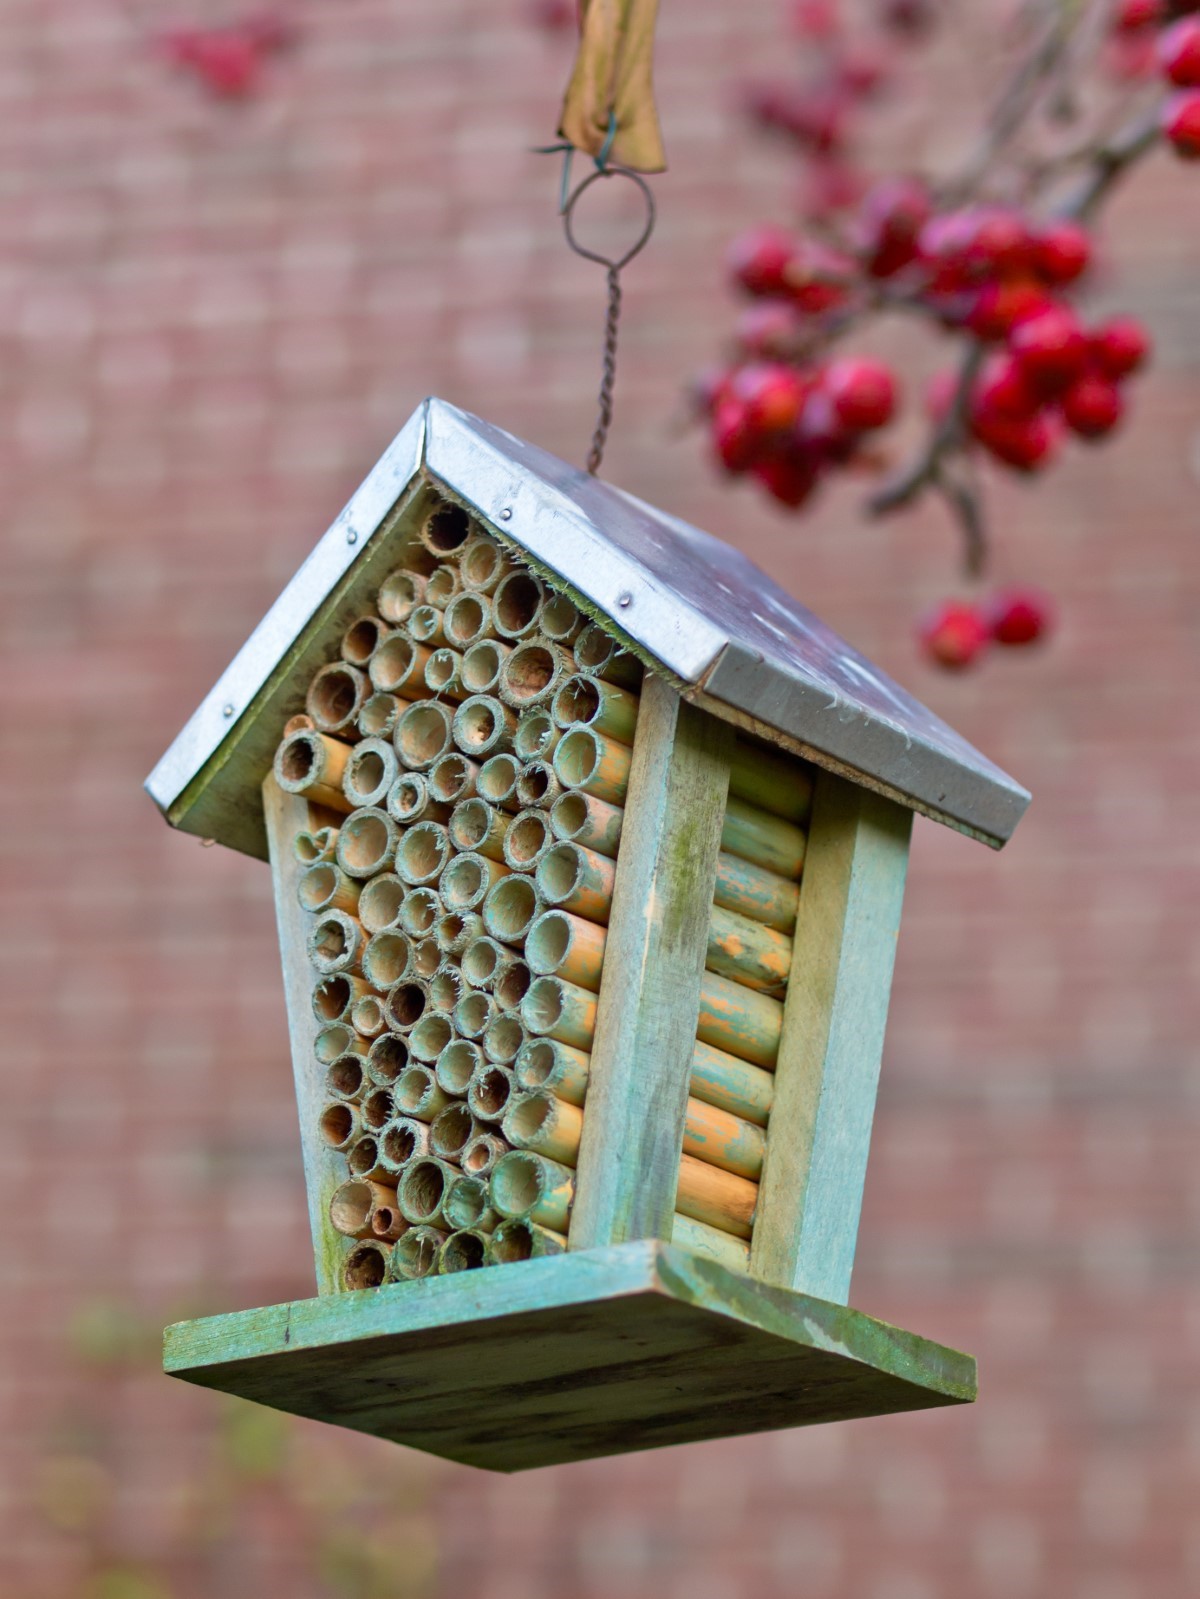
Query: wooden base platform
{"points": [[597, 1352]]}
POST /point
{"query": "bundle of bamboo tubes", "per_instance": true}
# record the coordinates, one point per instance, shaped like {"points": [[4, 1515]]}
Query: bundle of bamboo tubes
{"points": [[475, 737]]}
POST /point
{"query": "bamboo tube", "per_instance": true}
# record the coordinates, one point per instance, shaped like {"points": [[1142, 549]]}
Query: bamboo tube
{"points": [[315, 847], [503, 1038], [489, 1092], [399, 595], [536, 735], [557, 1067], [410, 800], [430, 1036], [737, 1020], [453, 932], [748, 952], [465, 1250], [386, 1059], [426, 958], [483, 563], [423, 853], [466, 1205], [301, 723], [482, 663], [336, 943], [345, 1076], [511, 907], [707, 1194], [596, 652], [482, 962], [532, 673], [353, 1204], [376, 1109], [312, 765], [398, 667], [446, 987], [333, 996], [523, 1240], [561, 1010], [711, 1242], [324, 887], [497, 781], [335, 697], [512, 985], [422, 734], [443, 674], [406, 1002], [548, 1126], [517, 604], [379, 902], [594, 762], [422, 1189], [362, 1158], [561, 945], [525, 1185], [452, 778], [587, 701], [338, 1125], [366, 842], [763, 839], [445, 530], [415, 1253], [731, 1084], [572, 878], [527, 840], [480, 1157], [419, 912], [339, 1038], [417, 1094], [467, 620], [473, 1013], [537, 785], [425, 626], [402, 1141], [777, 783], [379, 714], [754, 892], [362, 638], [723, 1140], [560, 619], [451, 1130], [388, 1223], [387, 958], [476, 825], [483, 726], [366, 1266], [579, 818], [367, 1016], [465, 882], [456, 1065]]}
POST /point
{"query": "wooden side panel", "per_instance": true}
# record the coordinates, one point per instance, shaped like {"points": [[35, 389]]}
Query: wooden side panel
{"points": [[833, 1026], [286, 815], [649, 995]]}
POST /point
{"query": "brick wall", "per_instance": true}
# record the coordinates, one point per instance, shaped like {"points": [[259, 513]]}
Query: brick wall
{"points": [[213, 319]]}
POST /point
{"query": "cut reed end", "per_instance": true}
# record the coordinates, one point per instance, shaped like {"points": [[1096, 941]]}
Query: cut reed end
{"points": [[366, 1266]]}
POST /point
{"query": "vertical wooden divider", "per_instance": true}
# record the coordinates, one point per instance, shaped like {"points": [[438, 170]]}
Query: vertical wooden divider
{"points": [[629, 1155], [833, 1024], [285, 816]]}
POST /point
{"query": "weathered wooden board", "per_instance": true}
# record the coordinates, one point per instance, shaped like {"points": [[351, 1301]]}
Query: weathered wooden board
{"points": [[654, 958], [827, 1072], [567, 1358]]}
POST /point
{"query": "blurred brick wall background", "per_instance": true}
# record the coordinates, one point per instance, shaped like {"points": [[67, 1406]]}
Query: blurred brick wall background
{"points": [[213, 319]]}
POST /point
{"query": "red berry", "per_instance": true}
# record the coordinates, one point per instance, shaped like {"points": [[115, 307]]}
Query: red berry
{"points": [[816, 19], [758, 259], [790, 479], [1092, 406], [817, 279], [1019, 616], [1050, 349], [1119, 347], [734, 440], [1027, 444], [820, 433], [1181, 123], [230, 64], [954, 634], [1179, 53], [768, 328], [889, 224], [1133, 15], [1064, 252], [998, 307], [771, 397], [1002, 391], [862, 393], [999, 241]]}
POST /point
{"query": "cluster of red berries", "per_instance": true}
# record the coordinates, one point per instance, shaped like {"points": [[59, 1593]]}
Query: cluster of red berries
{"points": [[1162, 38], [956, 633], [229, 62]]}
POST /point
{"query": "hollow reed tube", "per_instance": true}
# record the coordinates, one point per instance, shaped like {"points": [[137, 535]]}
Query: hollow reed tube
{"points": [[409, 800], [473, 1013], [746, 951], [529, 1186], [333, 997], [738, 1020], [422, 1189], [353, 1205], [451, 1130], [497, 780], [386, 1059], [367, 1016], [483, 564], [559, 944], [312, 765], [527, 840], [512, 985], [523, 1240], [398, 667], [370, 772], [405, 1003], [423, 853], [559, 1068], [419, 911], [366, 842], [402, 1141], [430, 1036], [366, 1266], [362, 1158], [593, 762], [335, 943], [560, 1009], [415, 1253], [708, 1194], [388, 1223], [537, 786], [583, 700], [723, 1140], [466, 880], [312, 847], [537, 735], [446, 987], [777, 783], [338, 1038], [456, 1065], [453, 932], [754, 892], [710, 1242], [532, 673], [540, 1122], [503, 1039], [452, 778], [572, 878], [476, 825], [482, 663], [422, 734], [763, 839], [579, 818], [480, 1157], [466, 1205], [362, 638], [597, 652], [517, 604], [511, 907], [560, 619], [445, 530], [376, 1109], [425, 625], [465, 1250], [399, 595], [467, 621], [482, 962], [379, 902], [483, 726], [377, 719], [443, 674], [489, 1092], [731, 1084], [335, 697], [325, 887], [345, 1076], [338, 1124], [387, 958]]}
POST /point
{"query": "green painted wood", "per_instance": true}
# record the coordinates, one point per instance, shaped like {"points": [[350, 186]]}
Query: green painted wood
{"points": [[284, 816], [653, 965], [827, 1070], [568, 1358]]}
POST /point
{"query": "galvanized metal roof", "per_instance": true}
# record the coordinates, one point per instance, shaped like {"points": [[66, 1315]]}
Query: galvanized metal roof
{"points": [[726, 633]]}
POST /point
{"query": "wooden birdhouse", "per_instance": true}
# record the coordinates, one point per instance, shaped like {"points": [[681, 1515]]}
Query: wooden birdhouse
{"points": [[588, 847]]}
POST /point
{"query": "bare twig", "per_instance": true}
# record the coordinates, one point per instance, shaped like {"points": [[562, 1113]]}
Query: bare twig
{"points": [[944, 440], [1108, 163]]}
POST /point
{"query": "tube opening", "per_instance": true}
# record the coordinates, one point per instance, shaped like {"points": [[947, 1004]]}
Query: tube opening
{"points": [[517, 603], [377, 1109], [444, 583], [378, 715], [456, 1066], [297, 760], [423, 733], [577, 701], [351, 1206], [331, 997], [517, 1184], [514, 1242], [528, 1117], [503, 1039], [512, 985], [465, 618], [407, 798], [543, 1004], [332, 1041], [470, 824], [399, 1144], [423, 853], [364, 842], [413, 1089], [419, 911], [367, 774], [463, 1252], [577, 757], [318, 886], [511, 907], [463, 882], [548, 942], [367, 1016], [528, 671], [559, 872], [422, 1189], [333, 696], [430, 1036], [379, 903], [536, 1065], [480, 962], [361, 639], [441, 670], [386, 959], [445, 988], [490, 1093], [534, 783], [405, 1005], [345, 1076], [450, 777], [366, 1267], [337, 1124], [569, 815], [452, 1132], [480, 1156], [482, 665], [593, 648], [481, 562], [497, 779], [525, 840], [559, 620], [399, 592], [330, 941], [415, 1252], [477, 723], [535, 734], [472, 1014], [363, 1157], [447, 529], [393, 662], [387, 1058]]}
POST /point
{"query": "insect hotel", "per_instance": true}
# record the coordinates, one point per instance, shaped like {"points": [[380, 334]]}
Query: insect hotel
{"points": [[588, 847]]}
